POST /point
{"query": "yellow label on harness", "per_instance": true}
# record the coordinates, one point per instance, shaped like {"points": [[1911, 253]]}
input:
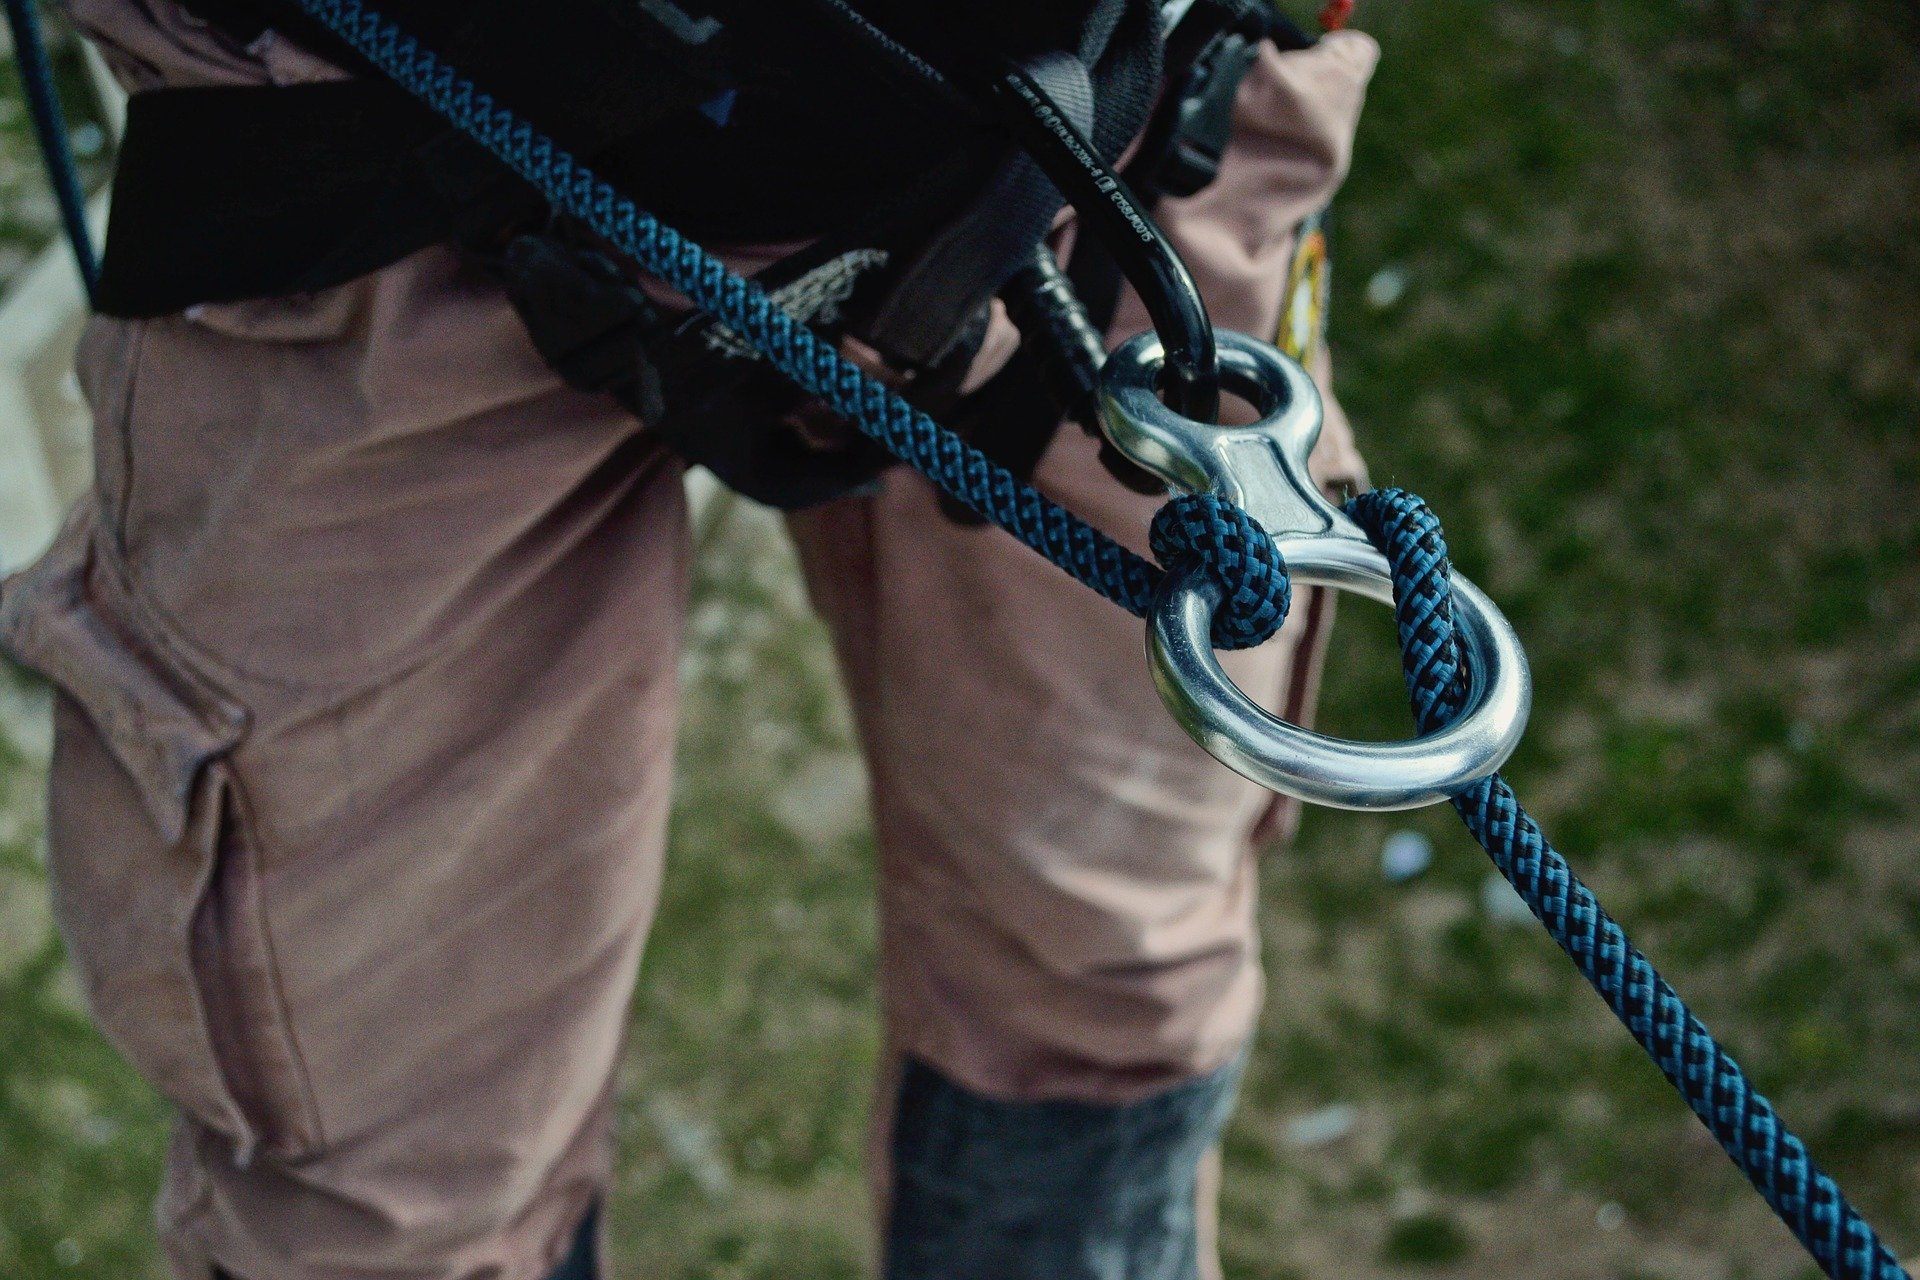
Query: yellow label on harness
{"points": [[1303, 311]]}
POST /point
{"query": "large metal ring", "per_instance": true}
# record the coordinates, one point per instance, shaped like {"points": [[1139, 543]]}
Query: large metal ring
{"points": [[1262, 467]]}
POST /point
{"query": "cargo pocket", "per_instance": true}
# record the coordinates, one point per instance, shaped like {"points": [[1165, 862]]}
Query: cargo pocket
{"points": [[154, 885]]}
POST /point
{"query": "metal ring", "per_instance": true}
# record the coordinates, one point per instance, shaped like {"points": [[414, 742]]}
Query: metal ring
{"points": [[1263, 468], [1340, 772]]}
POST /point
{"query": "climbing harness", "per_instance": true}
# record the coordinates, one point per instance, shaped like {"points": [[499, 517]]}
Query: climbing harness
{"points": [[741, 124], [1246, 517], [737, 121]]}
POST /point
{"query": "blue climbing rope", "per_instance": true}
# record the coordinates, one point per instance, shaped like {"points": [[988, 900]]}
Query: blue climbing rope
{"points": [[50, 128], [817, 366], [1743, 1121], [1232, 546]]}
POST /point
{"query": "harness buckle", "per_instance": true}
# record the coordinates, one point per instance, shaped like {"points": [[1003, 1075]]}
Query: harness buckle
{"points": [[1262, 468], [1209, 51], [1205, 121]]}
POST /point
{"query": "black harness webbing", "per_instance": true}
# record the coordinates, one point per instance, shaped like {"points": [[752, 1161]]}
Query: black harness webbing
{"points": [[741, 121], [340, 179], [223, 194], [256, 191]]}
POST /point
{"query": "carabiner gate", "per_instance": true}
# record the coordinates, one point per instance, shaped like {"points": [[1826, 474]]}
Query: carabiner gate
{"points": [[1263, 469]]}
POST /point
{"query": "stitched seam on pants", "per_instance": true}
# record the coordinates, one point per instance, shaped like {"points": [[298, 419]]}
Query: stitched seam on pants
{"points": [[224, 957], [123, 428], [248, 830]]}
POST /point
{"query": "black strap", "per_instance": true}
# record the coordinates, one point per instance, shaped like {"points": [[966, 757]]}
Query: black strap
{"points": [[574, 65], [223, 194], [1209, 53], [231, 193], [243, 192]]}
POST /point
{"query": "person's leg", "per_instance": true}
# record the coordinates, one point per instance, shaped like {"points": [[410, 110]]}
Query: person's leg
{"points": [[1067, 882], [366, 659], [1067, 896]]}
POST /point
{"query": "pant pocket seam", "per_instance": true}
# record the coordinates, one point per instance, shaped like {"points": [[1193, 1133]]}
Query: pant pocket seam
{"points": [[279, 1105]]}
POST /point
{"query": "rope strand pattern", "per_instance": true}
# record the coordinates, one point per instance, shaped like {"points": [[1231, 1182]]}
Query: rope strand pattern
{"points": [[1205, 529], [1743, 1121]]}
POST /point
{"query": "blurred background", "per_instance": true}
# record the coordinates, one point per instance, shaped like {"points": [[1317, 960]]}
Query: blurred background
{"points": [[1630, 290]]}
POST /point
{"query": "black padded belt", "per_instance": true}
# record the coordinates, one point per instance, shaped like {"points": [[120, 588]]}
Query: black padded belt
{"points": [[231, 193]]}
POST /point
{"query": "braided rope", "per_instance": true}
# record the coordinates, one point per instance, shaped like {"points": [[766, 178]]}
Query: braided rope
{"points": [[1743, 1121], [812, 363], [1206, 531]]}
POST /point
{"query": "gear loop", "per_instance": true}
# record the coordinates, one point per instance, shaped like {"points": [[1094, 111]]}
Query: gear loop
{"points": [[1205, 530]]}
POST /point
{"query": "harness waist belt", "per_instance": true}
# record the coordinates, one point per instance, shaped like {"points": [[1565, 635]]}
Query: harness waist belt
{"points": [[224, 194]]}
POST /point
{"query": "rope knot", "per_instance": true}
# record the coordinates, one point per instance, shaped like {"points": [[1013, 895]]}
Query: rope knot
{"points": [[1206, 531]]}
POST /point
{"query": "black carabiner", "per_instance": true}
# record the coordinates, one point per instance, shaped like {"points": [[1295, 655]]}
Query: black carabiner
{"points": [[1127, 231]]}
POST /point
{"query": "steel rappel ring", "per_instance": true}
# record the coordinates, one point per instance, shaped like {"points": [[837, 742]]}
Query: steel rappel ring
{"points": [[1262, 467]]}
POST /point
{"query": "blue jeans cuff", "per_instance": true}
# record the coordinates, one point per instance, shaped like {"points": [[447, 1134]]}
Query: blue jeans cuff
{"points": [[992, 1190]]}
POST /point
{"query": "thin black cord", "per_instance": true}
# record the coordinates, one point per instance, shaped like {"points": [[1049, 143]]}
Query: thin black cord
{"points": [[50, 128]]}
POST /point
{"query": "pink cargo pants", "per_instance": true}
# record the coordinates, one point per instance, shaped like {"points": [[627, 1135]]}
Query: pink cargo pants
{"points": [[365, 645]]}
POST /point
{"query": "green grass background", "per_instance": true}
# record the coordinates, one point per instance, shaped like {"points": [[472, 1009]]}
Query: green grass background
{"points": [[1656, 358]]}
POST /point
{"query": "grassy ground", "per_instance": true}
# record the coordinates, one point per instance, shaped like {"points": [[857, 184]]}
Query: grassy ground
{"points": [[1627, 289]]}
